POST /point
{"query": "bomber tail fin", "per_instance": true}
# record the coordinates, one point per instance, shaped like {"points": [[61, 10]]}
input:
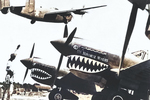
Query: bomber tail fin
{"points": [[4, 5], [30, 6]]}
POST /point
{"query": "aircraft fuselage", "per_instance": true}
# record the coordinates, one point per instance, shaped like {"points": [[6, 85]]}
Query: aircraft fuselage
{"points": [[40, 15], [86, 61], [40, 72]]}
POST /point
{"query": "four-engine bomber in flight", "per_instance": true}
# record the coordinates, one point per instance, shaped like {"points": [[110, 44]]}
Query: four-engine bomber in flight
{"points": [[42, 14]]}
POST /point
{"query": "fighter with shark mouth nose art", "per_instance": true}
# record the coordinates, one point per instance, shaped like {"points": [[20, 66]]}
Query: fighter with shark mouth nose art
{"points": [[39, 72], [85, 58], [63, 80], [87, 62]]}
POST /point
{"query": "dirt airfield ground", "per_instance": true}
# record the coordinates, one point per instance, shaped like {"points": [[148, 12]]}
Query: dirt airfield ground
{"points": [[19, 97], [44, 96]]}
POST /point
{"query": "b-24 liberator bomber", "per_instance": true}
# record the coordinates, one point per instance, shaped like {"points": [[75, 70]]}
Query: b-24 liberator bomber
{"points": [[43, 14]]}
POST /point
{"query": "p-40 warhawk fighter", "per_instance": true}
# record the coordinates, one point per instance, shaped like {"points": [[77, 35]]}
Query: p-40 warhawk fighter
{"points": [[46, 15], [94, 65]]}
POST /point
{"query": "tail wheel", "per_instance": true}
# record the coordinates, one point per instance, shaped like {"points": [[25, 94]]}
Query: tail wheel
{"points": [[55, 94]]}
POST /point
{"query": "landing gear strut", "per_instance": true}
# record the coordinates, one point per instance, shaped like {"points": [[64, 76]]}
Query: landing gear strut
{"points": [[55, 95]]}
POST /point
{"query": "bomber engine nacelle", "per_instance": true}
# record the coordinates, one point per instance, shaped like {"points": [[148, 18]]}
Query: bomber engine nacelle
{"points": [[4, 10], [80, 12]]}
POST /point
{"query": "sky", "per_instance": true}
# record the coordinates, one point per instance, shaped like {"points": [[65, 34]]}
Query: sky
{"points": [[106, 26]]}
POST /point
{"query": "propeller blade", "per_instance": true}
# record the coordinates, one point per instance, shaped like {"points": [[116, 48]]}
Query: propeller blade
{"points": [[60, 61], [37, 57], [66, 31], [59, 64], [69, 39], [129, 32], [25, 74], [32, 51], [147, 30]]}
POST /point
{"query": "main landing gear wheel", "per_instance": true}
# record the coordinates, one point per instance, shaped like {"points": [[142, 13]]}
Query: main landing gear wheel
{"points": [[55, 94], [60, 94], [118, 96]]}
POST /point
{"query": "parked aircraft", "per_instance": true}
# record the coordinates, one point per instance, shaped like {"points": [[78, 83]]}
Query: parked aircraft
{"points": [[40, 72], [45, 15], [89, 63], [46, 74]]}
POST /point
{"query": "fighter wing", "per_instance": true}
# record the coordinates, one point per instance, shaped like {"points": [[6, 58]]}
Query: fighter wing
{"points": [[76, 11], [70, 81], [135, 75]]}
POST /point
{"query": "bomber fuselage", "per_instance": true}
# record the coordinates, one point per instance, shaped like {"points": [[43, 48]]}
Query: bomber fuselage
{"points": [[40, 14]]}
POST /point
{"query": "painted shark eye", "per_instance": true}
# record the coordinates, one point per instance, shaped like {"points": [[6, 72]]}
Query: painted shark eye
{"points": [[75, 47]]}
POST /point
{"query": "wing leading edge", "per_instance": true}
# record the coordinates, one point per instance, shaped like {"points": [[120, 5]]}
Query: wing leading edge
{"points": [[73, 10]]}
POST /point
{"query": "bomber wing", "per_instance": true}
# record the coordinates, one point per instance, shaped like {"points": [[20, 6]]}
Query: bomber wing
{"points": [[76, 11]]}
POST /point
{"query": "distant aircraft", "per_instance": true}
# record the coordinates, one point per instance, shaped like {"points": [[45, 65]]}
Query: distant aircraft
{"points": [[89, 63], [46, 15]]}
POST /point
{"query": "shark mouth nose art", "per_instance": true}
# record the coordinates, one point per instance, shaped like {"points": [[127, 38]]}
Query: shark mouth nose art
{"points": [[85, 64], [40, 74]]}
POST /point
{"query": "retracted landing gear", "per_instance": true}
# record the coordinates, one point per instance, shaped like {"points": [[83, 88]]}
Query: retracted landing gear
{"points": [[33, 21], [60, 94]]}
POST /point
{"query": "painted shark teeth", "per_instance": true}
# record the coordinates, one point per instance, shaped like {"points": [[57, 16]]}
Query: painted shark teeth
{"points": [[85, 64], [44, 75]]}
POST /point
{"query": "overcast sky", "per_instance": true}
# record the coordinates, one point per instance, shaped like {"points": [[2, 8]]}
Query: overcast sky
{"points": [[105, 26]]}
